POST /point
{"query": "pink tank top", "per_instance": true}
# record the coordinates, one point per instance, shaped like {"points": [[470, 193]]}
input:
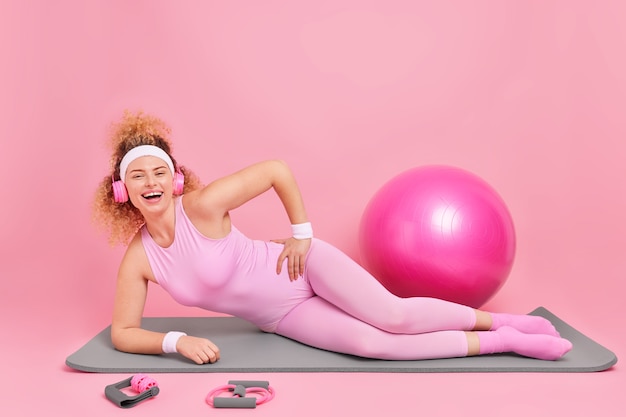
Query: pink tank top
{"points": [[233, 275]]}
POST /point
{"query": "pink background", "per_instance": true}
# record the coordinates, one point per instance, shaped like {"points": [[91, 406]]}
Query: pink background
{"points": [[529, 95]]}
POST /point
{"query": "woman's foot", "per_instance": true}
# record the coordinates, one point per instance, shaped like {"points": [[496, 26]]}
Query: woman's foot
{"points": [[538, 346]]}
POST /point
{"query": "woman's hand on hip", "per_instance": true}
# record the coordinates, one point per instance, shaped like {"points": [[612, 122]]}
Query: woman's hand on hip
{"points": [[294, 252]]}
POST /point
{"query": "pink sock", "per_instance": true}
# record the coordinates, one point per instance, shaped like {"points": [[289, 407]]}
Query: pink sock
{"points": [[508, 339], [524, 323]]}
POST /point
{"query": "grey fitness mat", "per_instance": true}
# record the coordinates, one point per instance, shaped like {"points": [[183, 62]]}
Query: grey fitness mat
{"points": [[244, 348]]}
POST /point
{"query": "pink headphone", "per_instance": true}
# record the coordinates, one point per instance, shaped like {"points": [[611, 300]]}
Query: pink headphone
{"points": [[120, 193]]}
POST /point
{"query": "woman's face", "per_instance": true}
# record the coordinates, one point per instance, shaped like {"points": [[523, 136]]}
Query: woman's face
{"points": [[149, 182]]}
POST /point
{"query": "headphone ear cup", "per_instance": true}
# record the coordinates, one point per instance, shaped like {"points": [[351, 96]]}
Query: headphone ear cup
{"points": [[179, 183], [120, 194]]}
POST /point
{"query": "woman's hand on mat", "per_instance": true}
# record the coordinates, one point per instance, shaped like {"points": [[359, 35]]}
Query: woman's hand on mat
{"points": [[198, 349], [294, 252]]}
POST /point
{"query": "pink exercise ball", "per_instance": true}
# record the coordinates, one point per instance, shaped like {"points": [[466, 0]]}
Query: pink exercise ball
{"points": [[438, 231]]}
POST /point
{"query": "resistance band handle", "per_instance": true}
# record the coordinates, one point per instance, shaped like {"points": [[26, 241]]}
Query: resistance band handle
{"points": [[234, 402], [251, 384], [122, 400]]}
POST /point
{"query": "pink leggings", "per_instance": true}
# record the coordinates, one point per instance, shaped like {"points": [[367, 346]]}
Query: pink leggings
{"points": [[353, 313]]}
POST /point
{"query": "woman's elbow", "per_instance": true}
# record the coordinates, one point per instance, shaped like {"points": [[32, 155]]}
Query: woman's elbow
{"points": [[279, 165], [118, 340], [280, 170]]}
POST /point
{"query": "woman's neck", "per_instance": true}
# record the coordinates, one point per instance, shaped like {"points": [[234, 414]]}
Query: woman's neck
{"points": [[161, 226]]}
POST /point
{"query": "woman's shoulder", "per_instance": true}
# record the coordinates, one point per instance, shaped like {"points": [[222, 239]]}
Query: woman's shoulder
{"points": [[199, 203], [135, 258], [135, 263], [135, 246], [205, 215]]}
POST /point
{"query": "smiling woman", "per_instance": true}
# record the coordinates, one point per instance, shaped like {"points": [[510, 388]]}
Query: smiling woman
{"points": [[135, 134], [185, 242]]}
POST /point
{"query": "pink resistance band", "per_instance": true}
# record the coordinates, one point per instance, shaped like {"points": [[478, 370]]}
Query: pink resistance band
{"points": [[238, 399]]}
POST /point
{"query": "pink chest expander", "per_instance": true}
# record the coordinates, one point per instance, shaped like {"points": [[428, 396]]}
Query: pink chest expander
{"points": [[238, 399]]}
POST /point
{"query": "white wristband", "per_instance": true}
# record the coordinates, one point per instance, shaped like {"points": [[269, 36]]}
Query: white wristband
{"points": [[302, 230], [170, 340]]}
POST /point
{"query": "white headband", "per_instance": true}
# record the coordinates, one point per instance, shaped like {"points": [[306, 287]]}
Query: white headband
{"points": [[144, 150]]}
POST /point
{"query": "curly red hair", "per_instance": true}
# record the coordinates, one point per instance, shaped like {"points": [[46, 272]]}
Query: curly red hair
{"points": [[122, 221]]}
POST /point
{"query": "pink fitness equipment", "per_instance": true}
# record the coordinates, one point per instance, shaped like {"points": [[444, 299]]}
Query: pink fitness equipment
{"points": [[238, 398], [142, 384], [438, 231], [120, 193]]}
